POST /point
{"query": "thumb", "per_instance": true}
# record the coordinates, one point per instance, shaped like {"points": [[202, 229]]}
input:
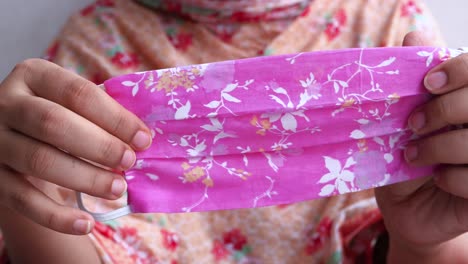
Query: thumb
{"points": [[417, 38]]}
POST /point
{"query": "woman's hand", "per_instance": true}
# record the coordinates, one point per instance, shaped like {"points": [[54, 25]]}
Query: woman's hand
{"points": [[427, 218], [52, 122]]}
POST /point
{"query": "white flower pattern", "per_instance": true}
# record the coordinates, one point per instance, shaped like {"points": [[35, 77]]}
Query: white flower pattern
{"points": [[304, 122]]}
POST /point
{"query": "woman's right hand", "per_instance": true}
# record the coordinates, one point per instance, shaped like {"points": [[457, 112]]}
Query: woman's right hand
{"points": [[52, 122]]}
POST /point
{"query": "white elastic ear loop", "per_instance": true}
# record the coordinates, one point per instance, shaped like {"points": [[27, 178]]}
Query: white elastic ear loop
{"points": [[103, 217]]}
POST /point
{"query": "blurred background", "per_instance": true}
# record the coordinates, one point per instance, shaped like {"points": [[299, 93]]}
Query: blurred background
{"points": [[27, 27]]}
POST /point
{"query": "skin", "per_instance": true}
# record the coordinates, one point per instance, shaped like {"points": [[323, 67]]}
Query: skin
{"points": [[49, 117], [427, 218]]}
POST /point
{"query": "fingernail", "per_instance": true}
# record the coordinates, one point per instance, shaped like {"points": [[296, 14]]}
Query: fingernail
{"points": [[118, 187], [141, 140], [417, 121], [82, 226], [435, 80], [411, 153], [128, 159]]}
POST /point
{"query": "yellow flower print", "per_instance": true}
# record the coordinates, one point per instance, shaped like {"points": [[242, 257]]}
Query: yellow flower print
{"points": [[149, 81], [208, 182], [170, 80], [254, 121], [348, 103], [194, 174], [444, 55], [263, 124], [148, 84], [195, 71], [394, 96], [185, 166], [243, 174], [362, 145]]}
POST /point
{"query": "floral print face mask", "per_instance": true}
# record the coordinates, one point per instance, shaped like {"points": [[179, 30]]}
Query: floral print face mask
{"points": [[273, 130]]}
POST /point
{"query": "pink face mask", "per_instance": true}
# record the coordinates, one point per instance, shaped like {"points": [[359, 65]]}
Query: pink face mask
{"points": [[273, 130]]}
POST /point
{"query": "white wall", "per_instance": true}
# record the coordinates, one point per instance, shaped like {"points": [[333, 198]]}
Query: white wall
{"points": [[26, 26], [453, 20]]}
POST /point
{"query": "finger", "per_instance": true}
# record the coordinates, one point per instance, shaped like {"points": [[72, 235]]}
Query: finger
{"points": [[440, 111], [445, 148], [31, 157], [448, 76], [447, 109], [19, 195], [453, 179], [51, 123], [417, 38], [54, 83]]}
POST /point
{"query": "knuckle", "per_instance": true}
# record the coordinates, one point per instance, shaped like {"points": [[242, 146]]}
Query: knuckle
{"points": [[25, 67], [461, 216], [39, 160], [52, 219], [79, 93], [119, 122], [429, 151], [442, 176], [22, 112], [99, 184], [461, 135], [19, 201], [4, 106], [456, 70], [50, 122], [444, 109], [4, 195], [108, 150], [464, 62], [93, 187]]}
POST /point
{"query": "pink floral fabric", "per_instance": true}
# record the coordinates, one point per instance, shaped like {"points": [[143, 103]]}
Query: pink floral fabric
{"points": [[274, 130]]}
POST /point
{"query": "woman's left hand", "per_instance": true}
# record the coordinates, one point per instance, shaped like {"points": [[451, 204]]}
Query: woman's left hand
{"points": [[427, 217]]}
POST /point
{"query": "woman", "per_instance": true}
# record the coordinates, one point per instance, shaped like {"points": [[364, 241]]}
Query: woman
{"points": [[113, 37]]}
